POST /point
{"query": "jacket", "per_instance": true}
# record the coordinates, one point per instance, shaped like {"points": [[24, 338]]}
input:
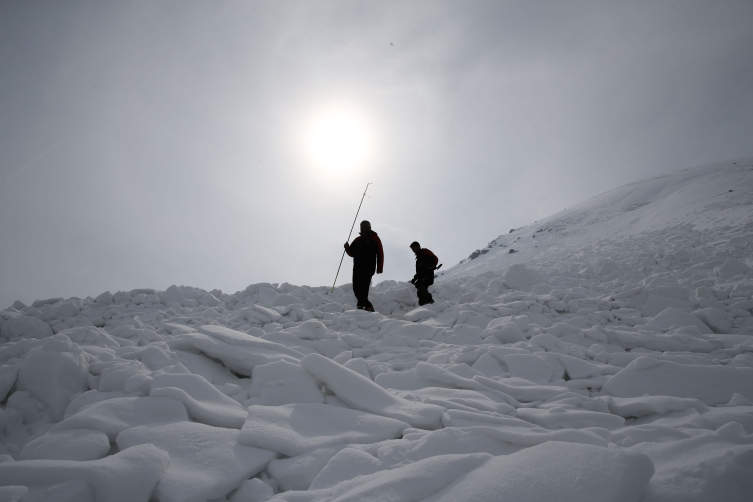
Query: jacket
{"points": [[426, 262], [367, 253]]}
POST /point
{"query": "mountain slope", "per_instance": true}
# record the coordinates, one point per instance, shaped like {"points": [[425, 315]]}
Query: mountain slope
{"points": [[695, 204]]}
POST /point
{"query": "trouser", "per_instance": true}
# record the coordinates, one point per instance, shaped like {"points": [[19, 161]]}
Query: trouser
{"points": [[361, 283], [422, 288]]}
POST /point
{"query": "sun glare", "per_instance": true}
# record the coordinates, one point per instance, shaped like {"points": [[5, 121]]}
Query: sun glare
{"points": [[338, 139]]}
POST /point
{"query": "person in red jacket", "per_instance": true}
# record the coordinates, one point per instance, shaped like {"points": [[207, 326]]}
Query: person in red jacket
{"points": [[426, 263], [368, 256]]}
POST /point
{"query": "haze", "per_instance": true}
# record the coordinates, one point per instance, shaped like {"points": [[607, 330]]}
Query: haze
{"points": [[144, 144]]}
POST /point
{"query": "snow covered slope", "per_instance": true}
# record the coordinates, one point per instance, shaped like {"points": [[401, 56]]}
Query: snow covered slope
{"points": [[702, 205], [610, 358]]}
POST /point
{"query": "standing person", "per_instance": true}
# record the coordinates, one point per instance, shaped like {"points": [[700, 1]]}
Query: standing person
{"points": [[368, 256], [426, 264]]}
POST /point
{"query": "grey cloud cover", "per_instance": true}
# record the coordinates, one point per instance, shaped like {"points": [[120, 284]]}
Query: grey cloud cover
{"points": [[149, 143]]}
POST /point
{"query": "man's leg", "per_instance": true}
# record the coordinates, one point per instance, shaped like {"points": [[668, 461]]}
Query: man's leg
{"points": [[366, 303], [358, 289], [361, 283], [422, 290]]}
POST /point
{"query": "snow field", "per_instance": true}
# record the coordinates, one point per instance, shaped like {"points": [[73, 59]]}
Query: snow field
{"points": [[609, 358]]}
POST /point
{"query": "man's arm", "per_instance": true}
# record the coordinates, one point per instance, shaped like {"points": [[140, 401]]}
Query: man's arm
{"points": [[348, 247], [380, 255]]}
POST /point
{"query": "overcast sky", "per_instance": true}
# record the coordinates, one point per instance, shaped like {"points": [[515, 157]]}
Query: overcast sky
{"points": [[150, 143]]}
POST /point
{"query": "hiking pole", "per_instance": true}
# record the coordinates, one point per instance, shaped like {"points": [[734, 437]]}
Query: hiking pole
{"points": [[349, 234]]}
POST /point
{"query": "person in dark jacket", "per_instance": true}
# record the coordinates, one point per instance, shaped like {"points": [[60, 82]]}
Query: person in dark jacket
{"points": [[368, 256], [426, 263]]}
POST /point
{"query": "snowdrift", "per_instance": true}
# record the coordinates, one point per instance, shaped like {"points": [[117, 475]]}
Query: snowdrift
{"points": [[604, 353]]}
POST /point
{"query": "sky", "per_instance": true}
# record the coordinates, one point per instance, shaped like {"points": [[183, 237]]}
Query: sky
{"points": [[225, 143]]}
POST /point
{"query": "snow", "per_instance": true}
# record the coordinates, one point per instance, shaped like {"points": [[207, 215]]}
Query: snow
{"points": [[252, 490], [115, 415], [26, 327], [76, 444], [711, 385], [671, 318], [126, 476], [623, 476], [204, 402], [53, 377], [703, 467], [362, 394], [190, 477], [609, 358], [419, 479], [281, 383], [293, 429]]}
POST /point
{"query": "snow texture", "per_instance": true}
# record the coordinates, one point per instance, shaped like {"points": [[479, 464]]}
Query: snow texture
{"points": [[205, 462], [608, 359]]}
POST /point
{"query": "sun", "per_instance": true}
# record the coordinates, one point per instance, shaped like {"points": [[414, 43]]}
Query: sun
{"points": [[338, 139]]}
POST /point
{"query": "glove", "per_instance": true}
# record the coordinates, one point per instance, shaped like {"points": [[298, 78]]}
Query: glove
{"points": [[413, 281]]}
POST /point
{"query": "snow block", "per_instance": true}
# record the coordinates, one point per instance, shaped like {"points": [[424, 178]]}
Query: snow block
{"points": [[205, 462], [282, 382], [204, 402], [252, 490], [113, 416], [508, 333], [715, 466], [298, 473], [113, 378], [77, 444], [346, 464], [552, 471], [731, 268], [63, 310], [447, 441], [25, 327], [49, 301], [488, 366], [711, 385], [522, 322], [530, 435], [529, 367], [416, 331], [8, 376], [13, 493], [419, 314], [518, 276], [105, 298], [556, 418], [260, 314], [563, 472], [89, 335], [634, 407], [672, 318], [53, 378], [667, 342], [362, 394], [656, 304], [238, 351], [128, 476], [715, 319], [294, 429], [417, 481]]}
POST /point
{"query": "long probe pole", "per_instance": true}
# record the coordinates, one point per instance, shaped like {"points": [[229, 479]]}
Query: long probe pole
{"points": [[349, 234]]}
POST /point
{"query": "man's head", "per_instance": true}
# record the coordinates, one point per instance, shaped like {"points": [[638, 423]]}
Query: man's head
{"points": [[365, 226], [415, 246]]}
